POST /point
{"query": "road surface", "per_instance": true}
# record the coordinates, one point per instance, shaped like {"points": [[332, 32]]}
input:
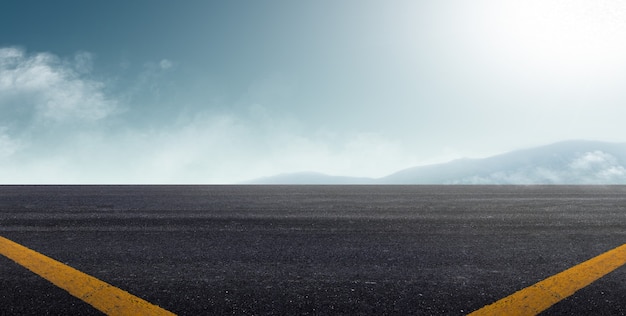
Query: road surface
{"points": [[313, 250]]}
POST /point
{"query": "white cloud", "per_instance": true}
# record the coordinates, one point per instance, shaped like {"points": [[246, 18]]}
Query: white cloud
{"points": [[48, 133], [8, 146], [224, 148], [598, 166], [592, 160], [165, 64], [83, 62], [209, 148], [613, 172], [594, 167], [45, 88]]}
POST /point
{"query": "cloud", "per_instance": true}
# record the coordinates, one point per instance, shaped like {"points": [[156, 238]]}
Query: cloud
{"points": [[83, 62], [598, 166], [57, 127], [8, 146], [593, 160], [593, 167], [40, 87], [165, 64], [228, 148]]}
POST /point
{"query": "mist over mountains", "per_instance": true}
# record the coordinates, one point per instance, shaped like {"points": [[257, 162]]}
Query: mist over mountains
{"points": [[569, 162]]}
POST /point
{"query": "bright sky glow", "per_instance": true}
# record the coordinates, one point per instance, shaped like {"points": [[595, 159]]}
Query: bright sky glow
{"points": [[562, 40], [222, 92]]}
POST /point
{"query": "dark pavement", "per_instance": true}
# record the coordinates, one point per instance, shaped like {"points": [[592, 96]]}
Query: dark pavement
{"points": [[313, 250]]}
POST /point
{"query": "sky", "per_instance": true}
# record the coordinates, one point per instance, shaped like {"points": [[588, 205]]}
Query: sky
{"points": [[220, 92]]}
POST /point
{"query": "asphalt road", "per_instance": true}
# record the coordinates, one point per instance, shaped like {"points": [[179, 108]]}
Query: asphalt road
{"points": [[313, 250]]}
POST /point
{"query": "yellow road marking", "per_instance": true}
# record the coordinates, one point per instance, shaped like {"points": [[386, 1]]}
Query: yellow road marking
{"points": [[538, 297], [101, 295]]}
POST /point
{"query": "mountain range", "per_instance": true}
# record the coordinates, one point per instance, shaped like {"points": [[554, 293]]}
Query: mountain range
{"points": [[568, 162]]}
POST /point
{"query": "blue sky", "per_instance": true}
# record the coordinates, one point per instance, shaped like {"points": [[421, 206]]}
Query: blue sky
{"points": [[226, 91]]}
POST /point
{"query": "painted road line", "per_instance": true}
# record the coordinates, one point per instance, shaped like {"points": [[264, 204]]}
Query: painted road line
{"points": [[101, 295], [538, 297]]}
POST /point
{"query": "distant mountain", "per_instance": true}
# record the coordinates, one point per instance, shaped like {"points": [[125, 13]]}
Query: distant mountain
{"points": [[570, 162]]}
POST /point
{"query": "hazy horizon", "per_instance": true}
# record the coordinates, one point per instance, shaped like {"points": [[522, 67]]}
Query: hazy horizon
{"points": [[224, 92]]}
